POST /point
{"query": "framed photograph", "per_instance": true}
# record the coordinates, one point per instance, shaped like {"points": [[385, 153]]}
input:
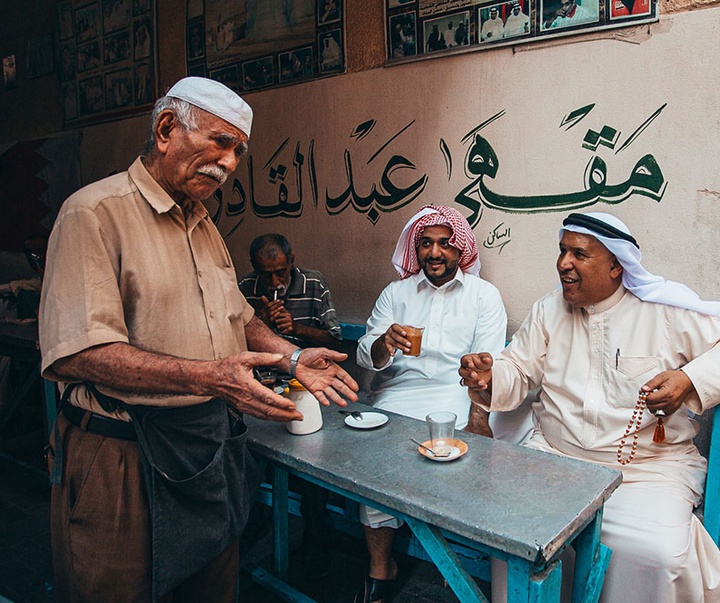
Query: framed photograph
{"points": [[331, 52], [328, 11], [91, 95], [227, 76], [296, 64], [448, 31], [622, 9], [197, 68], [560, 14], [88, 57], [140, 6], [68, 92], [142, 39], [118, 89], [396, 3], [39, 59], [143, 84], [87, 23], [116, 15], [66, 64], [116, 47], [9, 72], [258, 73], [491, 27], [195, 39], [517, 19], [65, 20], [403, 36]]}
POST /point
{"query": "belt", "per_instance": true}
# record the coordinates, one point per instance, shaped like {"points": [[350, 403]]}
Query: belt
{"points": [[94, 423]]}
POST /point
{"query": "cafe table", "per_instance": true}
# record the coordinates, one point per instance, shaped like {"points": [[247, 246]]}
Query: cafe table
{"points": [[512, 503], [19, 340]]}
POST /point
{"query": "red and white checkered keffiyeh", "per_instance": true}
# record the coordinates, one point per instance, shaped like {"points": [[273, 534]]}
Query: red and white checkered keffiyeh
{"points": [[463, 238]]}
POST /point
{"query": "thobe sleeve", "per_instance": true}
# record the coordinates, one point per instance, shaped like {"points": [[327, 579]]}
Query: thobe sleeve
{"points": [[380, 319]]}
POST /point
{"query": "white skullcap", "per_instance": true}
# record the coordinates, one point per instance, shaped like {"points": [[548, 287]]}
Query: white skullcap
{"points": [[616, 237], [216, 98]]}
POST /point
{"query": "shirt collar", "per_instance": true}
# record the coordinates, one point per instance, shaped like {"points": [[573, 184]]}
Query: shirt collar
{"points": [[154, 194], [422, 281]]}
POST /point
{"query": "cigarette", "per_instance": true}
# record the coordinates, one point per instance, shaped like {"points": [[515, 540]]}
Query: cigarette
{"points": [[275, 295]]}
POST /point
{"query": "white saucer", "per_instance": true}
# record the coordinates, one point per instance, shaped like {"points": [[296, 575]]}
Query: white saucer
{"points": [[370, 420], [456, 451]]}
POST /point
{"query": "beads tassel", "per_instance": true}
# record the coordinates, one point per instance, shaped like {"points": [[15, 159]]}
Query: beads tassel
{"points": [[659, 435]]}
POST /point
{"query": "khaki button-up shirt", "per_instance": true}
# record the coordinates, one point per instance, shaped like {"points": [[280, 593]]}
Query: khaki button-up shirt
{"points": [[126, 265]]}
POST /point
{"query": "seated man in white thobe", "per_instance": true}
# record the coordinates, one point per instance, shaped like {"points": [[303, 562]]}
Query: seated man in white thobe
{"points": [[440, 290], [620, 355]]}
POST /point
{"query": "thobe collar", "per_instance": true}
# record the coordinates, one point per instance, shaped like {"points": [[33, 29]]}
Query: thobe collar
{"points": [[607, 303], [422, 281]]}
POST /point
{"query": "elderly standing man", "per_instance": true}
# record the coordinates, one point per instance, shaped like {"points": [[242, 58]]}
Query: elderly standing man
{"points": [[439, 289], [620, 355], [143, 324]]}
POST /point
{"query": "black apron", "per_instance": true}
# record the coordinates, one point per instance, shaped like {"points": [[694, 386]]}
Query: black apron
{"points": [[200, 481]]}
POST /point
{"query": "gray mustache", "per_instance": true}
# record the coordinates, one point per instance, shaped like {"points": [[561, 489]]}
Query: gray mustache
{"points": [[214, 172]]}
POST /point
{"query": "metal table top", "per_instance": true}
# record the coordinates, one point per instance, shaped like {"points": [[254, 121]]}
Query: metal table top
{"points": [[523, 502]]}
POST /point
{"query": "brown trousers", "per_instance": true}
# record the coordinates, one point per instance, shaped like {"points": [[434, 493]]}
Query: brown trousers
{"points": [[100, 530]]}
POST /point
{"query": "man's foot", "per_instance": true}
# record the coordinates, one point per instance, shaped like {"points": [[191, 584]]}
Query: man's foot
{"points": [[375, 591]]}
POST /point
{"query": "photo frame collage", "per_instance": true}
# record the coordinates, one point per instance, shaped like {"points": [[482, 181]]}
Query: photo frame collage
{"points": [[226, 52], [106, 58], [423, 27]]}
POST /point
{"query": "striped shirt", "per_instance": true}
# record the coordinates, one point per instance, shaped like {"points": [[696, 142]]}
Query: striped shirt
{"points": [[308, 300]]}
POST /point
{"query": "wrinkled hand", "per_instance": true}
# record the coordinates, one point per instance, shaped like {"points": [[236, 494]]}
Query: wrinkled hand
{"points": [[476, 370], [264, 312], [283, 320], [667, 391], [319, 372], [236, 384]]}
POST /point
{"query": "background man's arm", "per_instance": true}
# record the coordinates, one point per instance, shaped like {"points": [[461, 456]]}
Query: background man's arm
{"points": [[288, 326]]}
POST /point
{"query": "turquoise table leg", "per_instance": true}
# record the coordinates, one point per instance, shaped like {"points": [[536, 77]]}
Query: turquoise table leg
{"points": [[281, 531], [524, 586], [591, 562], [446, 561]]}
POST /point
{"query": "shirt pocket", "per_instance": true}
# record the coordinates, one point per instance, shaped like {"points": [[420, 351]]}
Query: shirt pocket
{"points": [[627, 379]]}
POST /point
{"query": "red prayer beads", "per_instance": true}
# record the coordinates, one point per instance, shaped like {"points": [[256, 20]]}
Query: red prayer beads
{"points": [[636, 420]]}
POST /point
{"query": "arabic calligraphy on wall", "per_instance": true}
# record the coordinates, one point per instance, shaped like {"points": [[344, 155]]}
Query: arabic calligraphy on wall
{"points": [[440, 27], [287, 182]]}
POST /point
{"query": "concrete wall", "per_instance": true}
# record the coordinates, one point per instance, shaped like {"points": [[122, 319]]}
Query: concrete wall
{"points": [[655, 85], [668, 71]]}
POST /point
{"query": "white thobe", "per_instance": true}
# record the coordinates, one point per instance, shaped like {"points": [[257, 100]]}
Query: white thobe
{"points": [[464, 315], [590, 364], [516, 25]]}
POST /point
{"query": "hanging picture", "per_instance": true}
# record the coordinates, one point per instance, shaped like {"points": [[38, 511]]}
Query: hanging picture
{"points": [[417, 28], [264, 43], [106, 62]]}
